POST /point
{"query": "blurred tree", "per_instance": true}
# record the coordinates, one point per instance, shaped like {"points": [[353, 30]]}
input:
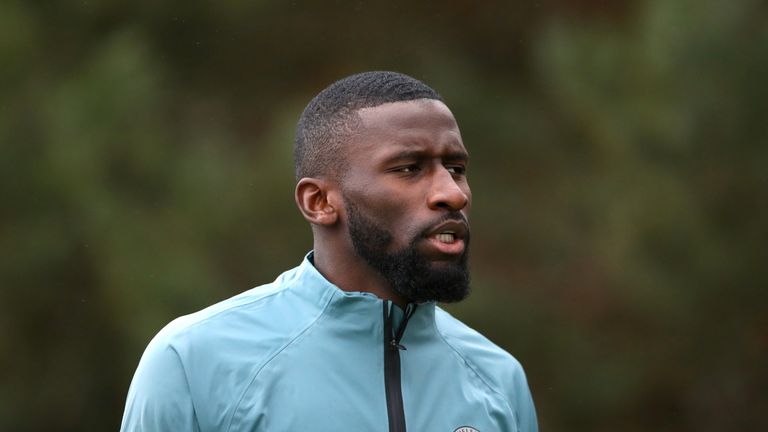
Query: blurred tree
{"points": [[618, 172]]}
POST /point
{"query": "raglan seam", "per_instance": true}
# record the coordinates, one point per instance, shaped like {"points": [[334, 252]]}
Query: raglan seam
{"points": [[274, 355], [475, 370], [263, 297], [187, 383]]}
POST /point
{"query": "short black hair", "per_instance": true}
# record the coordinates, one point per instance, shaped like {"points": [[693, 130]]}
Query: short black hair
{"points": [[331, 117]]}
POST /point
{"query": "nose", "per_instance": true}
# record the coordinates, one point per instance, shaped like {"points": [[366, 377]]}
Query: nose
{"points": [[447, 193]]}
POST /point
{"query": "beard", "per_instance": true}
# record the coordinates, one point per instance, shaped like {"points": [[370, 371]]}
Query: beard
{"points": [[408, 272]]}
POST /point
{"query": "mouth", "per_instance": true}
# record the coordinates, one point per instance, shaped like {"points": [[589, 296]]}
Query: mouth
{"points": [[449, 231], [448, 238]]}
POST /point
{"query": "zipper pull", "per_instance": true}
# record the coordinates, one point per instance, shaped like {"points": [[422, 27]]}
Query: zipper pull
{"points": [[409, 310], [396, 345]]}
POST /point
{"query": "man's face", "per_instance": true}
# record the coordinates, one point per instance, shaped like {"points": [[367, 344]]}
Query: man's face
{"points": [[406, 198]]}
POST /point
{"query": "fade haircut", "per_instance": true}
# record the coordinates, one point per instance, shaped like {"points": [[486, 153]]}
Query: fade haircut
{"points": [[331, 117]]}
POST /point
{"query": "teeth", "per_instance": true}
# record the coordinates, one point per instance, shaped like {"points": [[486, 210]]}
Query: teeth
{"points": [[446, 237]]}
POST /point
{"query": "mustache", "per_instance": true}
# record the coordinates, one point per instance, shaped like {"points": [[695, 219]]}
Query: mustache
{"points": [[454, 216]]}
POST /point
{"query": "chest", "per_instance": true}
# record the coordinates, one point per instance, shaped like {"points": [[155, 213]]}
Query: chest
{"points": [[319, 385]]}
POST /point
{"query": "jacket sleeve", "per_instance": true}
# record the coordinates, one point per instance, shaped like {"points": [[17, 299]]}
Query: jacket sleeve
{"points": [[159, 398], [522, 402]]}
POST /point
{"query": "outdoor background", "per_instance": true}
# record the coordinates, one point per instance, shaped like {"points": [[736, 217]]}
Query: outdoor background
{"points": [[619, 152]]}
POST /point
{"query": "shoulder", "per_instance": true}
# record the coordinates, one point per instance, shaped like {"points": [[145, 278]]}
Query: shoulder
{"points": [[256, 321], [222, 316], [497, 368], [209, 356], [488, 358]]}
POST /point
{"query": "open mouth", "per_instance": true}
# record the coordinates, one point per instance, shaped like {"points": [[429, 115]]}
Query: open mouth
{"points": [[447, 237], [450, 231]]}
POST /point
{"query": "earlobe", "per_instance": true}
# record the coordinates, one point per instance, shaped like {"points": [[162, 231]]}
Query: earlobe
{"points": [[312, 198]]}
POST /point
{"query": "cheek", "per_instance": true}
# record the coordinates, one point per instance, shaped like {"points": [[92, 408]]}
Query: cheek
{"points": [[389, 212], [379, 202], [468, 193]]}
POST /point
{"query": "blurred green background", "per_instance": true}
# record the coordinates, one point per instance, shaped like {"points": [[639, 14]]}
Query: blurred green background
{"points": [[619, 152]]}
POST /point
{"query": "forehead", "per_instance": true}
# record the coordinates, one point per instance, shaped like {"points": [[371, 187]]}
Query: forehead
{"points": [[419, 125]]}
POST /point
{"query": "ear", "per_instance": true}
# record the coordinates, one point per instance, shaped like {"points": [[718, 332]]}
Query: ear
{"points": [[314, 197]]}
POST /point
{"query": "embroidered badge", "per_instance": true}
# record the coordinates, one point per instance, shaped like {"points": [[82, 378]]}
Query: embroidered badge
{"points": [[466, 429]]}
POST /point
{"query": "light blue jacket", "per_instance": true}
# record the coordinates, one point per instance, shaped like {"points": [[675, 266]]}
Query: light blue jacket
{"points": [[300, 354]]}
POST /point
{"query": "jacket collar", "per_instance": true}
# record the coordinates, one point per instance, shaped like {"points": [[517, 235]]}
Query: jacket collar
{"points": [[311, 286]]}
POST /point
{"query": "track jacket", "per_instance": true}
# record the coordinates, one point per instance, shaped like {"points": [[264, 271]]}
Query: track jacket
{"points": [[300, 354]]}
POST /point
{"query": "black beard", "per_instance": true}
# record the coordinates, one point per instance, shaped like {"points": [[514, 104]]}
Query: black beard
{"points": [[408, 272]]}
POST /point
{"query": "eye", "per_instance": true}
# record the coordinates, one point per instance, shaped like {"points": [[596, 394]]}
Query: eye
{"points": [[407, 169], [456, 169]]}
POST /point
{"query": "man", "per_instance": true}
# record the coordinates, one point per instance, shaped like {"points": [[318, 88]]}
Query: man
{"points": [[351, 339]]}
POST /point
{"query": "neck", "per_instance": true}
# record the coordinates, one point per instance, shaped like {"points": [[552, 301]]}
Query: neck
{"points": [[350, 273]]}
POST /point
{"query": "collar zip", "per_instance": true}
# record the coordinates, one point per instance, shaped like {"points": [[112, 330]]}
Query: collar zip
{"points": [[398, 334]]}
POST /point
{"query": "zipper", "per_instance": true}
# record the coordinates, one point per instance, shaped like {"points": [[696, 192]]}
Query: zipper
{"points": [[392, 347]]}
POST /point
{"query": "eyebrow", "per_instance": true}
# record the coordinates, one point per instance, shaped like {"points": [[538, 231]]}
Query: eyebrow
{"points": [[456, 155]]}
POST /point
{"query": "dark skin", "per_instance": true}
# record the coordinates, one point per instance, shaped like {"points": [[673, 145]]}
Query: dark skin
{"points": [[406, 166]]}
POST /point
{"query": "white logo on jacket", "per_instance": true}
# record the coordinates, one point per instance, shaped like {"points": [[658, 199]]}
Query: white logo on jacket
{"points": [[466, 429]]}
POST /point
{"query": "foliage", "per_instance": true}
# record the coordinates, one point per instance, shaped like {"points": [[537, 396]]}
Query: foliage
{"points": [[618, 170]]}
